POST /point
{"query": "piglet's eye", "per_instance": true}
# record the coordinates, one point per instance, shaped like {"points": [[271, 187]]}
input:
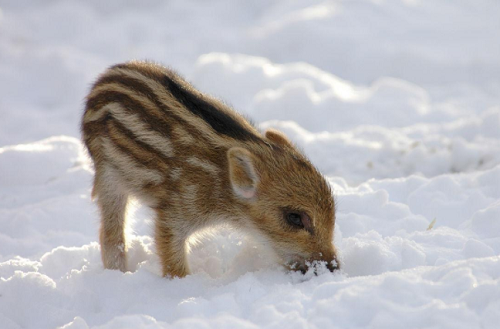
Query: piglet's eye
{"points": [[298, 219], [294, 219]]}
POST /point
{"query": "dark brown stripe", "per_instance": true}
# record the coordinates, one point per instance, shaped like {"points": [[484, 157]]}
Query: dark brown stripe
{"points": [[105, 97], [142, 153], [140, 144], [128, 82], [213, 112], [94, 128]]}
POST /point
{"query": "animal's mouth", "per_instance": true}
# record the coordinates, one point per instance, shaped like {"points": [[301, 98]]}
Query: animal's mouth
{"points": [[296, 263]]}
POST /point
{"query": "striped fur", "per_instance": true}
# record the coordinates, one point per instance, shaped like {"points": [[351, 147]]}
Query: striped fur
{"points": [[197, 163]]}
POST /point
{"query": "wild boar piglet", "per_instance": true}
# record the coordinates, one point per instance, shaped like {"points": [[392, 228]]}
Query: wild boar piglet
{"points": [[197, 163]]}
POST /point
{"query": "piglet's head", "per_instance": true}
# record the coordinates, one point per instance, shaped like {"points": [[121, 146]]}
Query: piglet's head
{"points": [[286, 200]]}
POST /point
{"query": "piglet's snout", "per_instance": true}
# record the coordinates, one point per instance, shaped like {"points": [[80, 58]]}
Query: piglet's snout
{"points": [[317, 264]]}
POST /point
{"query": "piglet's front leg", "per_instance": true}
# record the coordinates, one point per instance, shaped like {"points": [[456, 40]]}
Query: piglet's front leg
{"points": [[170, 246]]}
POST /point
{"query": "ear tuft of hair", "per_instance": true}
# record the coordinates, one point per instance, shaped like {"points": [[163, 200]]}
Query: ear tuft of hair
{"points": [[278, 137], [242, 173]]}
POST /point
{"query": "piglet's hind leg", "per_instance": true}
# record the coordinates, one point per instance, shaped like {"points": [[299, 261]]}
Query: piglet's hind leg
{"points": [[112, 201]]}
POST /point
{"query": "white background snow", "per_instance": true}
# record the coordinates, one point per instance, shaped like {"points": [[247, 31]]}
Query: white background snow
{"points": [[397, 102]]}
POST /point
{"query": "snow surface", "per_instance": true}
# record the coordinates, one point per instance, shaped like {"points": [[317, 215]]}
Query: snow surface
{"points": [[397, 102]]}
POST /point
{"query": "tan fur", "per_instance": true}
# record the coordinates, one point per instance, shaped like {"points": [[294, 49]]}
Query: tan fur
{"points": [[145, 142], [278, 137]]}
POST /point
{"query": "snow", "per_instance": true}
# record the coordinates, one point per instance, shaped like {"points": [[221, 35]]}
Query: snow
{"points": [[397, 102]]}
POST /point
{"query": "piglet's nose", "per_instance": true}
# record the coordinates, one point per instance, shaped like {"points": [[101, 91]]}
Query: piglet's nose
{"points": [[329, 258]]}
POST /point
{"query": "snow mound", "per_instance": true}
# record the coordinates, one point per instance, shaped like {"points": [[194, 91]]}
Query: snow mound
{"points": [[50, 262]]}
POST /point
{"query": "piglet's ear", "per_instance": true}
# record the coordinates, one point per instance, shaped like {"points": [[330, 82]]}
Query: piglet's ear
{"points": [[242, 172], [278, 137]]}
